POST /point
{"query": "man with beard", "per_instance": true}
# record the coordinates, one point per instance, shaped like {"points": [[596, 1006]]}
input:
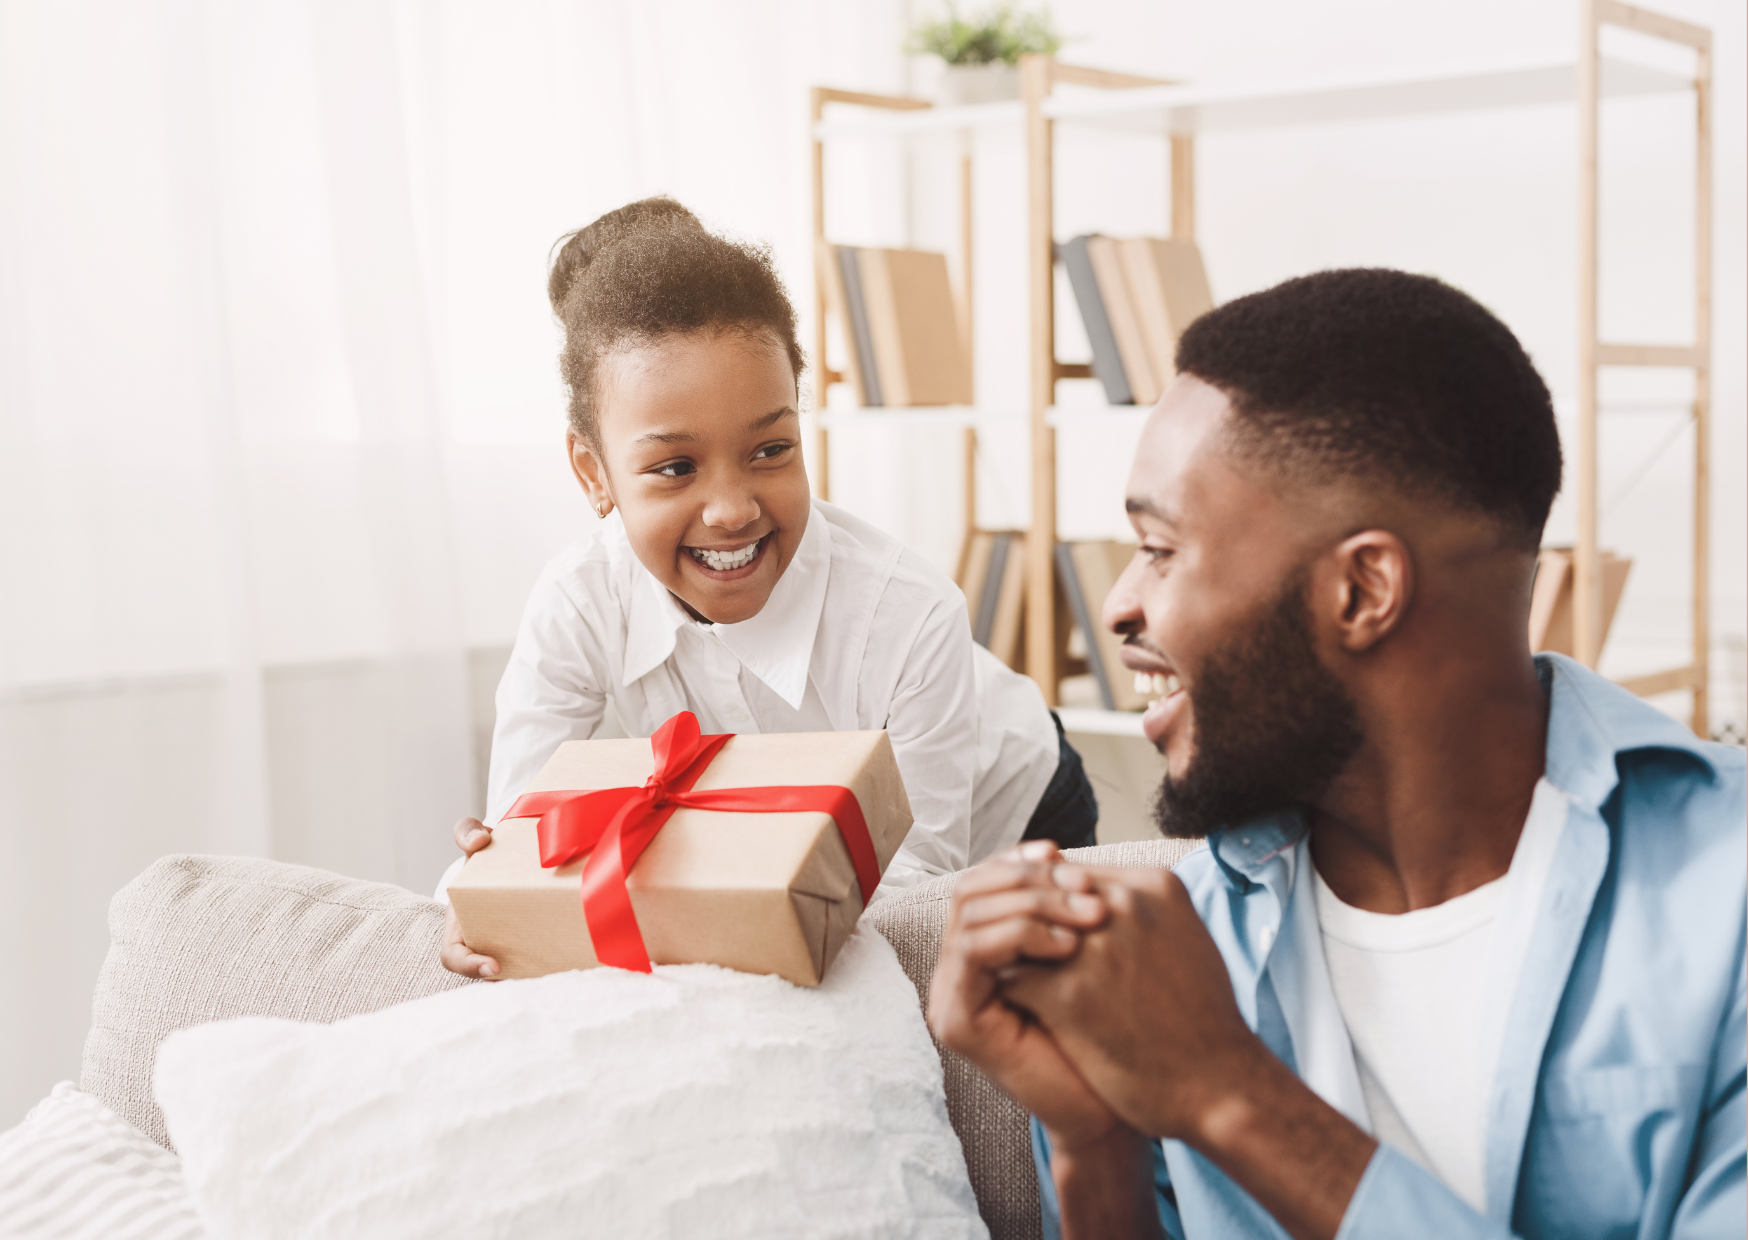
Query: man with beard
{"points": [[1465, 954]]}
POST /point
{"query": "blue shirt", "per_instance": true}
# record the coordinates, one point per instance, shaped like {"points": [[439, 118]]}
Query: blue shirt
{"points": [[1618, 1109]]}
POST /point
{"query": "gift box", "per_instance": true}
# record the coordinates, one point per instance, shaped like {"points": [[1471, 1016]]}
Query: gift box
{"points": [[755, 852]]}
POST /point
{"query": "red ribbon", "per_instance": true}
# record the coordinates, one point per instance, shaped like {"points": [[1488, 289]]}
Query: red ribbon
{"points": [[611, 827]]}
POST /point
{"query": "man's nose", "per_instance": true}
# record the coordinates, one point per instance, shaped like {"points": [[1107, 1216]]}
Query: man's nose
{"points": [[1122, 612], [731, 508]]}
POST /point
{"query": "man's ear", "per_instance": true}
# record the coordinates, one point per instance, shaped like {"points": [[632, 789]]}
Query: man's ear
{"points": [[590, 472], [1373, 577]]}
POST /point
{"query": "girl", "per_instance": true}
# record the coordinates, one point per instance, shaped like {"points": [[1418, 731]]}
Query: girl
{"points": [[715, 584]]}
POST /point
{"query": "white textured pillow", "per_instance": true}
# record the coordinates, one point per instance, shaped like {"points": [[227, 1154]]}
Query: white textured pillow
{"points": [[692, 1102], [75, 1170]]}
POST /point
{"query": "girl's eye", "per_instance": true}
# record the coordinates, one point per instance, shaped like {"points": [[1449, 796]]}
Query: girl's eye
{"points": [[772, 451], [1157, 555], [676, 469]]}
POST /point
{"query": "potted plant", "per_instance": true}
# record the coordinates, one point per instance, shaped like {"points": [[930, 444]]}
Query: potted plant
{"points": [[982, 53]]}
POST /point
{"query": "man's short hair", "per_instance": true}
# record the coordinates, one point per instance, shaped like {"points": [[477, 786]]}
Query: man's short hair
{"points": [[1385, 378]]}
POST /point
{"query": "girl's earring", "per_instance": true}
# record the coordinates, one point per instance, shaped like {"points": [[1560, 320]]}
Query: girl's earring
{"points": [[603, 508]]}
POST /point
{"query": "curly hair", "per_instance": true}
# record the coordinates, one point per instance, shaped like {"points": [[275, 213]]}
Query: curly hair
{"points": [[647, 270], [1386, 378]]}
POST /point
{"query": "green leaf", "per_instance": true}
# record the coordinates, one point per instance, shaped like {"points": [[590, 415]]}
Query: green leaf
{"points": [[1001, 34]]}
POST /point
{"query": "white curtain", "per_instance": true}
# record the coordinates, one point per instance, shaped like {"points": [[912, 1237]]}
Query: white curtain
{"points": [[280, 428]]}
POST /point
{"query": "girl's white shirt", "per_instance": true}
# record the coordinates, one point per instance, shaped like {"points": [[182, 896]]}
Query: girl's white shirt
{"points": [[859, 633]]}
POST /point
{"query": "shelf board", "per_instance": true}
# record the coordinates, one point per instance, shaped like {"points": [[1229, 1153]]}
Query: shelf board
{"points": [[966, 415], [848, 121], [909, 415], [1238, 107], [1089, 721], [1217, 109]]}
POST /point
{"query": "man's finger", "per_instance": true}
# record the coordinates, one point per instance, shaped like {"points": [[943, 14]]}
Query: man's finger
{"points": [[1029, 865], [1077, 910], [471, 835], [999, 944]]}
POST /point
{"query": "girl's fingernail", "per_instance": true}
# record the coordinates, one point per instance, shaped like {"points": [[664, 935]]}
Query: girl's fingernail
{"points": [[1062, 935], [1035, 850], [488, 970], [1085, 905]]}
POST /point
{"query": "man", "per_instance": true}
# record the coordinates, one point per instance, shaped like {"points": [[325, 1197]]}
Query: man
{"points": [[1464, 956]]}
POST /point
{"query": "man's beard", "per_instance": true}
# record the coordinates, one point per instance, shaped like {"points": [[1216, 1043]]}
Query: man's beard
{"points": [[1273, 727]]}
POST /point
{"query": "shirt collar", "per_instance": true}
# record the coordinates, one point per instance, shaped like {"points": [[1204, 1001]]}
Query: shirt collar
{"points": [[776, 645], [1592, 722]]}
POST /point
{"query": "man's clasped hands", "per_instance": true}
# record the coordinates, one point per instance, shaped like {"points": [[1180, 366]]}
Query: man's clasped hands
{"points": [[1097, 999]]}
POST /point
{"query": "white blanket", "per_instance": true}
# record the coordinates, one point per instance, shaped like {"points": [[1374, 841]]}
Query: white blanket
{"points": [[692, 1102], [75, 1170]]}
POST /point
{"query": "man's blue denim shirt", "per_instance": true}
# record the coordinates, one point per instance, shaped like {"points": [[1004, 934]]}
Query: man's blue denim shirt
{"points": [[1618, 1109]]}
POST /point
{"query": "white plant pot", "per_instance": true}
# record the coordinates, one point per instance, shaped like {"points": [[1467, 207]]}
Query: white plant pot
{"points": [[962, 84]]}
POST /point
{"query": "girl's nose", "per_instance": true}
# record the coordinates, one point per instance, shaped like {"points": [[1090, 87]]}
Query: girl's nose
{"points": [[730, 509]]}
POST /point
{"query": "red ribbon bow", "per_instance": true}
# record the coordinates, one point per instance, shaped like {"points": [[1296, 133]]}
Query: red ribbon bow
{"points": [[614, 825]]}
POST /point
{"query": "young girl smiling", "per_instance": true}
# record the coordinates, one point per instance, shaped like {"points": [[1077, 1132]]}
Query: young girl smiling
{"points": [[715, 584]]}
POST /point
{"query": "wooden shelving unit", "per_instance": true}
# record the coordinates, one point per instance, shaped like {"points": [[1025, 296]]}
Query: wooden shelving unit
{"points": [[1181, 113], [1593, 353]]}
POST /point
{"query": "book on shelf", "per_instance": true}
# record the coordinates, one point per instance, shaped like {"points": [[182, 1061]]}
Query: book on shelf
{"points": [[1135, 296], [1169, 286], [1107, 364], [840, 279], [1105, 254], [992, 574], [1087, 571], [1550, 622], [901, 325]]}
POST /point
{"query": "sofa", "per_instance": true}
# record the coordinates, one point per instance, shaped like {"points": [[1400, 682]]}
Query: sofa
{"points": [[198, 938]]}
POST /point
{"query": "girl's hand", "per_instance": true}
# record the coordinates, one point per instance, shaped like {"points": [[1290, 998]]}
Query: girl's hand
{"points": [[471, 835]]}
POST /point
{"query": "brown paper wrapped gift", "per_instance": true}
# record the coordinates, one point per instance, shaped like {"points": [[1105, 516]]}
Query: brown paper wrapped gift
{"points": [[760, 892]]}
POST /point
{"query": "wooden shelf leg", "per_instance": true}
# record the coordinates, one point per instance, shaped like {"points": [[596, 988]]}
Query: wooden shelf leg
{"points": [[1702, 392], [1183, 187], [822, 478], [1035, 83], [1587, 558], [967, 266]]}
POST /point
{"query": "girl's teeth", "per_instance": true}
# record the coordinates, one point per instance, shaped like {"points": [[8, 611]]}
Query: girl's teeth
{"points": [[722, 561], [1172, 683], [1143, 683]]}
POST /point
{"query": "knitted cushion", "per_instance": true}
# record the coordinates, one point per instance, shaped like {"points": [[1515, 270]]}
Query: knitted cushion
{"points": [[195, 939]]}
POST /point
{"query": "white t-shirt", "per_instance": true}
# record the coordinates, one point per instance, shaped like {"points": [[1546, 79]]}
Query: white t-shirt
{"points": [[859, 633], [1424, 996]]}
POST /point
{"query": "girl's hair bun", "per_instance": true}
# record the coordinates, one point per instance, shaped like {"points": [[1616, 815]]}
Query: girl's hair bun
{"points": [[650, 270], [578, 249]]}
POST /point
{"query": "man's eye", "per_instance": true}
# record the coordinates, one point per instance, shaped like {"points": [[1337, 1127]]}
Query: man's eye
{"points": [[676, 469]]}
